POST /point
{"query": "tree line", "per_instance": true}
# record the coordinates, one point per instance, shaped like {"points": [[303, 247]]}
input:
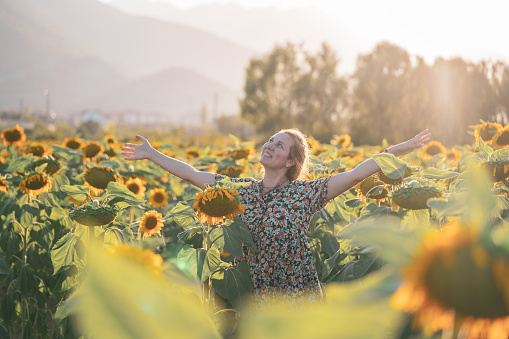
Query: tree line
{"points": [[391, 95]]}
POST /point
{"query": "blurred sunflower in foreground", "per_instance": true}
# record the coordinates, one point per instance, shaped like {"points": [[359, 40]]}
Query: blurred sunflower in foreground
{"points": [[13, 136], [142, 256], [455, 281], [216, 204]]}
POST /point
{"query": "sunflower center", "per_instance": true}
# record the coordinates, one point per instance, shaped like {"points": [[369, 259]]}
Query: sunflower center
{"points": [[134, 188], [92, 151], [240, 154], [503, 139], [150, 223], [158, 197], [432, 150], [36, 182], [72, 144], [488, 133], [466, 288], [219, 206], [99, 178], [12, 135]]}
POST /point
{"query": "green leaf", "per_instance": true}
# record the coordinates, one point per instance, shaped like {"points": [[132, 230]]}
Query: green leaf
{"points": [[330, 263], [434, 173], [392, 167], [235, 285], [234, 235], [415, 219], [19, 164], [353, 203], [79, 193], [122, 299], [188, 234], [198, 262], [452, 205], [65, 153], [4, 268], [63, 253], [485, 149], [116, 189], [43, 234]]}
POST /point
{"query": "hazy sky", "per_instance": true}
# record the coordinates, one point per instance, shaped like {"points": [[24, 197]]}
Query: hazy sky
{"points": [[471, 29]]}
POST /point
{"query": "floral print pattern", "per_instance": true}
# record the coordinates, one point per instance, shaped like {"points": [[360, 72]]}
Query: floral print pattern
{"points": [[281, 267]]}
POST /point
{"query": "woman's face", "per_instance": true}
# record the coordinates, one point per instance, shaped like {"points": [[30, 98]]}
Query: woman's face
{"points": [[276, 151]]}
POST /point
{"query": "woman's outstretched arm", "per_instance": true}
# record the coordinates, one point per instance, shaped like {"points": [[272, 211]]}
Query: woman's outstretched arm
{"points": [[176, 167], [342, 182]]}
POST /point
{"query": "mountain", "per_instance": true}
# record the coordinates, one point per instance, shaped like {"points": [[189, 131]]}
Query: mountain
{"points": [[180, 93], [82, 49], [258, 28]]}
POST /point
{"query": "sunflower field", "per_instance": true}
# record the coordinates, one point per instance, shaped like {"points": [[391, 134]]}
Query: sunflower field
{"points": [[93, 246]]}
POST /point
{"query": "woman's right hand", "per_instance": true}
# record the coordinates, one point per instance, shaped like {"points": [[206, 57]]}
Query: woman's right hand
{"points": [[137, 152]]}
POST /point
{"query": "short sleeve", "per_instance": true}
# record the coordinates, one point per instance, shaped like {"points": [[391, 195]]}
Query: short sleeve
{"points": [[220, 177], [315, 191]]}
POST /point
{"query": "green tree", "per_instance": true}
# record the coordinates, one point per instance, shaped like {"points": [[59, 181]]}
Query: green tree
{"points": [[290, 87], [380, 98]]}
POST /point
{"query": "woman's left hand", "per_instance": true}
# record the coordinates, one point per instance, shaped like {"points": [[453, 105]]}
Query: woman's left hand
{"points": [[411, 145]]}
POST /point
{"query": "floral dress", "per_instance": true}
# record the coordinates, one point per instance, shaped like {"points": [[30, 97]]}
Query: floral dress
{"points": [[282, 267]]}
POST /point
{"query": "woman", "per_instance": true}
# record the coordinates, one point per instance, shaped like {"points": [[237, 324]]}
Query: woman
{"points": [[278, 210]]}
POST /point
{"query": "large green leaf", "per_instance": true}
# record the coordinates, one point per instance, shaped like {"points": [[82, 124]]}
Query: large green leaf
{"points": [[392, 167], [79, 193], [415, 219], [122, 299], [234, 235], [485, 149], [19, 164], [116, 189], [69, 249], [452, 205], [199, 262], [329, 264], [435, 173], [235, 285]]}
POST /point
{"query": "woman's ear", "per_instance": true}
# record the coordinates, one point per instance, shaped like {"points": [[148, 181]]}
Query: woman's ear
{"points": [[290, 163]]}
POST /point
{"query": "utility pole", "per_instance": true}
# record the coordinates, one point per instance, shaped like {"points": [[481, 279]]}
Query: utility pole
{"points": [[21, 113], [47, 94]]}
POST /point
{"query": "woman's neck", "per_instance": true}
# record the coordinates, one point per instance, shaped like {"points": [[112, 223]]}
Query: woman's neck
{"points": [[270, 183]]}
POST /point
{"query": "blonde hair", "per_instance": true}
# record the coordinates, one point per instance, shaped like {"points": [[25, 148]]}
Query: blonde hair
{"points": [[299, 153]]}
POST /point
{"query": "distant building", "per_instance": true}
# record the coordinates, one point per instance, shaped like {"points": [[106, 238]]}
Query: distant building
{"points": [[92, 115]]}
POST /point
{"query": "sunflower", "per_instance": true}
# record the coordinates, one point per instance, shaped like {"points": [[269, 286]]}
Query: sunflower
{"points": [[414, 198], [13, 136], [344, 140], [52, 167], [433, 148], [39, 150], [213, 205], [385, 179], [98, 178], [137, 186], [110, 139], [93, 214], [234, 171], [366, 185], [151, 223], [35, 184], [4, 185], [158, 197], [145, 257], [486, 131], [92, 150], [454, 281], [243, 153], [169, 153], [453, 155], [501, 139], [192, 153], [72, 143], [499, 169]]}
